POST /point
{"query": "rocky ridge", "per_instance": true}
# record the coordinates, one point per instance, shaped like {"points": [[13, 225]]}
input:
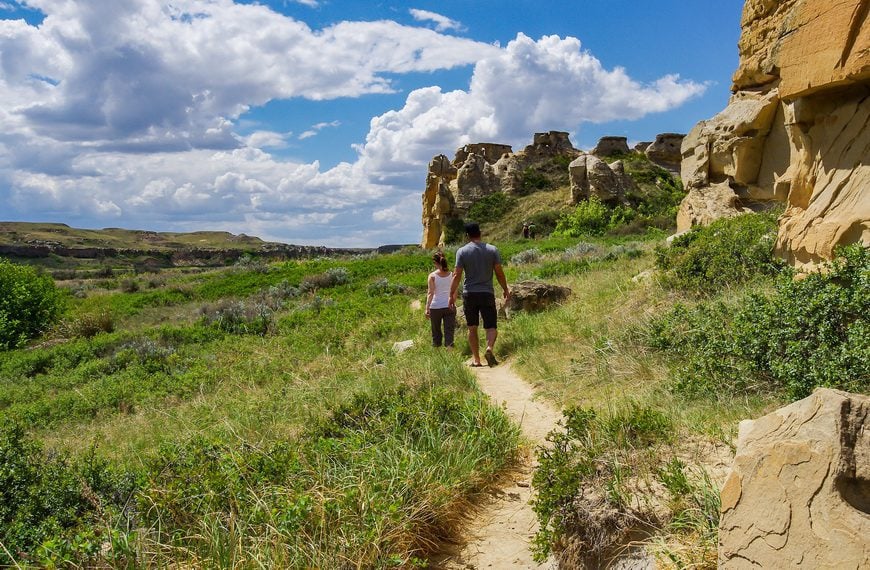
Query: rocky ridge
{"points": [[482, 169]]}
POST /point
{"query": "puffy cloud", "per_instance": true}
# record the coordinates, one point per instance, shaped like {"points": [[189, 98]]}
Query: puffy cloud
{"points": [[149, 72], [442, 23], [113, 112]]}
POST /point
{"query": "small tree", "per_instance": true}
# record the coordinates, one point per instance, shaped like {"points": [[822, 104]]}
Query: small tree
{"points": [[29, 303]]}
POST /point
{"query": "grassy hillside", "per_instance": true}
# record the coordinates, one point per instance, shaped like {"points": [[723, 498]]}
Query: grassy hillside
{"points": [[12, 233], [257, 415]]}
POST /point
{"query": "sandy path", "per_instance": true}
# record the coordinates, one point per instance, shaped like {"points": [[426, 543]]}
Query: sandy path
{"points": [[500, 534]]}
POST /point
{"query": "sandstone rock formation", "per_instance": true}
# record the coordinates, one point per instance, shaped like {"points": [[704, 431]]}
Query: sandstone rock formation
{"points": [[533, 296], [796, 131], [798, 494], [609, 146], [665, 151], [479, 170], [590, 176]]}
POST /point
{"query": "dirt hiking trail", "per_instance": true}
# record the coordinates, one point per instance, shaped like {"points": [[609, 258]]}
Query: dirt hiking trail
{"points": [[500, 534]]}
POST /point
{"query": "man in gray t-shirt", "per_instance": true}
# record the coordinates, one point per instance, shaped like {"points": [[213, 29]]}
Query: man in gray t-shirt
{"points": [[479, 261]]}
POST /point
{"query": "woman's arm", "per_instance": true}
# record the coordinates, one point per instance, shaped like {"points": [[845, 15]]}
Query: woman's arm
{"points": [[430, 293]]}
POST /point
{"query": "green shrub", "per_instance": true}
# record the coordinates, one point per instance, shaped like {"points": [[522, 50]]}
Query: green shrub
{"points": [[808, 333], [491, 208], [592, 217], [534, 180], [50, 506], [454, 231], [729, 251], [29, 304], [544, 223]]}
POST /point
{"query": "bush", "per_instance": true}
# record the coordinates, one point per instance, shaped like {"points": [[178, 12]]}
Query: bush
{"points": [[491, 208], [454, 230], [331, 278], [729, 251], [544, 223], [534, 180], [29, 304], [129, 285], [589, 475], [808, 333], [592, 217], [527, 256], [385, 288], [86, 325], [238, 317], [50, 506]]}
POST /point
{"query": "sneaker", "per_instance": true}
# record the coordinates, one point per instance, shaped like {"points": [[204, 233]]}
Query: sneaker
{"points": [[490, 358]]}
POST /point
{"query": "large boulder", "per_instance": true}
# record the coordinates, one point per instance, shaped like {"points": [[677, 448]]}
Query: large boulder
{"points": [[797, 129], [533, 296], [798, 494]]}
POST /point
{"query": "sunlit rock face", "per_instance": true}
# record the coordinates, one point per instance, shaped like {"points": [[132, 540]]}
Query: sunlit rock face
{"points": [[478, 170], [796, 130]]}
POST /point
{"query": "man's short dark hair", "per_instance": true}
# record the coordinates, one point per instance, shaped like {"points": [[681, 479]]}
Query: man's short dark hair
{"points": [[472, 229]]}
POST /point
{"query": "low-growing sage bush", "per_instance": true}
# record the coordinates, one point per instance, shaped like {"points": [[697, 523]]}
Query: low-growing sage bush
{"points": [[238, 317], [808, 333], [527, 256], [385, 287], [330, 278]]}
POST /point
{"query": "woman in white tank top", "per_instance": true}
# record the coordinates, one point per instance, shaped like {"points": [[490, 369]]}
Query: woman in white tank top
{"points": [[438, 309]]}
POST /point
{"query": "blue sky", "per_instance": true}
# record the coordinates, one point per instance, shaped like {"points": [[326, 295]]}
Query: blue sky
{"points": [[312, 121]]}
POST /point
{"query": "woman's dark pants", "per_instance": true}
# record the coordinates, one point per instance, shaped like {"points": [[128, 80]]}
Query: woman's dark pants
{"points": [[448, 316]]}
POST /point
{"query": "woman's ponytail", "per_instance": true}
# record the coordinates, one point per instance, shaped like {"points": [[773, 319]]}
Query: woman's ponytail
{"points": [[441, 260]]}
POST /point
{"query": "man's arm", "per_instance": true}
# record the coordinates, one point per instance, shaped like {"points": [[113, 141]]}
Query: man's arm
{"points": [[454, 286], [499, 274]]}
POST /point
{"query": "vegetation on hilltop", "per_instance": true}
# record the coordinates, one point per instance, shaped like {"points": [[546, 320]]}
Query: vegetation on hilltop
{"points": [[544, 203]]}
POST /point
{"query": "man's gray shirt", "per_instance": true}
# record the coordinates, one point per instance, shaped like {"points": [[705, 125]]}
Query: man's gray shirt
{"points": [[477, 261]]}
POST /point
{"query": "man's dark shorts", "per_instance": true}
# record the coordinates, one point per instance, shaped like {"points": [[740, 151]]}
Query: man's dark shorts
{"points": [[479, 305]]}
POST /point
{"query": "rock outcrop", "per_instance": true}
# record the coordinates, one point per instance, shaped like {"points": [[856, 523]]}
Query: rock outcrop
{"points": [[533, 296], [798, 494], [796, 131], [479, 170], [592, 177], [665, 151], [609, 146]]}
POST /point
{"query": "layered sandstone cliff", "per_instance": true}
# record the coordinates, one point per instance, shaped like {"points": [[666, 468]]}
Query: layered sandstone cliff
{"points": [[797, 129]]}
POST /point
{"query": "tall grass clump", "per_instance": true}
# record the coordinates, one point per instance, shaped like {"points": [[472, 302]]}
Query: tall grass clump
{"points": [[238, 317], [807, 333], [590, 481], [29, 304], [380, 481], [728, 252]]}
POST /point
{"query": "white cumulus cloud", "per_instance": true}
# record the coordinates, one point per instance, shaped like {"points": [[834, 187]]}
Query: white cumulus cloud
{"points": [[126, 113], [442, 23]]}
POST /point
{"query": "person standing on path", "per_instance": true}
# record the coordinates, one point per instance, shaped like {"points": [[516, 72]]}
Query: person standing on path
{"points": [[438, 307], [479, 261]]}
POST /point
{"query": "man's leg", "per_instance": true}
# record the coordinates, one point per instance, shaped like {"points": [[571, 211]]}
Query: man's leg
{"points": [[491, 335], [474, 343]]}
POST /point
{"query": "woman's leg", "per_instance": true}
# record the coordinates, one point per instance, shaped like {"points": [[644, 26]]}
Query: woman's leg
{"points": [[449, 327], [435, 316]]}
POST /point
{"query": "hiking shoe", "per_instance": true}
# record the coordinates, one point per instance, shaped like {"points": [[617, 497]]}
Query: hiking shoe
{"points": [[490, 358]]}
